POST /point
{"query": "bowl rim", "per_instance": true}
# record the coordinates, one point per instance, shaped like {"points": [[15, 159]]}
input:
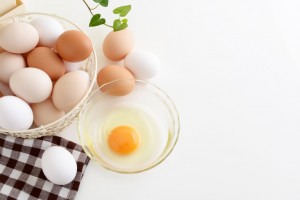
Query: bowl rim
{"points": [[174, 114], [87, 93]]}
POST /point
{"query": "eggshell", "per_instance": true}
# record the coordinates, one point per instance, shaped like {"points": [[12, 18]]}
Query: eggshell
{"points": [[142, 64], [69, 90], [5, 90], [45, 112], [18, 37], [118, 44], [47, 60], [59, 165], [112, 73], [16, 114], [74, 46], [49, 30], [31, 84], [1, 95], [72, 66], [9, 63]]}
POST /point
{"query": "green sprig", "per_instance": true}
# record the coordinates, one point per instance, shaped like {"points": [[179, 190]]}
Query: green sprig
{"points": [[119, 24]]}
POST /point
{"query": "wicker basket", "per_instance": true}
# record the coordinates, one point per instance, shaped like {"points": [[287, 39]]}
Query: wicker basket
{"points": [[90, 66]]}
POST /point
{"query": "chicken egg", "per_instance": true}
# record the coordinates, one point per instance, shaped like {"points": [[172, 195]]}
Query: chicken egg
{"points": [[47, 60], [45, 112], [112, 73], [18, 37], [130, 137], [9, 63], [72, 66], [59, 165], [49, 30], [15, 113], [69, 90], [74, 46], [31, 84], [118, 44], [142, 64]]}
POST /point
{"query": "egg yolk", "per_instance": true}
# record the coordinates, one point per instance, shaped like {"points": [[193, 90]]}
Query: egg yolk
{"points": [[123, 140]]}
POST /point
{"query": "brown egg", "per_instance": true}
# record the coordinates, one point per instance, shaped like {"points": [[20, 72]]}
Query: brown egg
{"points": [[47, 60], [45, 112], [74, 46], [112, 73], [1, 95], [118, 44]]}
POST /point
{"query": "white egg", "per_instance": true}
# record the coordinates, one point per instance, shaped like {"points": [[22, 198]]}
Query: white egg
{"points": [[16, 114], [10, 63], [143, 64], [18, 37], [49, 30], [58, 165], [72, 66]]}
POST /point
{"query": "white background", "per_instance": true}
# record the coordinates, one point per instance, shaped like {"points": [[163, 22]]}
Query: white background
{"points": [[233, 70]]}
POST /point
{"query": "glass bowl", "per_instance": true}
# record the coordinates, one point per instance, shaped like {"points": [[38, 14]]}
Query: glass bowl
{"points": [[146, 104], [89, 65]]}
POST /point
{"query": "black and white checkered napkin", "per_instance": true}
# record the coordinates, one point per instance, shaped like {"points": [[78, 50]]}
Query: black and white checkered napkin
{"points": [[21, 176]]}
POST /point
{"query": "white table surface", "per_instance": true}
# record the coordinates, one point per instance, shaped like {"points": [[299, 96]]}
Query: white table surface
{"points": [[233, 70]]}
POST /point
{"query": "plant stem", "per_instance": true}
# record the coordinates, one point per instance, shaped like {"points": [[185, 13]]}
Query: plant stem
{"points": [[95, 7], [88, 7], [108, 25]]}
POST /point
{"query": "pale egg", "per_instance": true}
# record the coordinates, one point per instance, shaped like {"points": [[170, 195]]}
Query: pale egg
{"points": [[142, 64], [70, 89], [10, 63], [45, 112], [16, 114], [72, 66], [31, 84], [59, 165], [18, 37], [49, 30]]}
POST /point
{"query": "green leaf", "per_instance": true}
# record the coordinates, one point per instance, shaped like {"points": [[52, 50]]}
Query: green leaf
{"points": [[96, 20], [124, 20], [103, 3], [118, 25], [122, 11]]}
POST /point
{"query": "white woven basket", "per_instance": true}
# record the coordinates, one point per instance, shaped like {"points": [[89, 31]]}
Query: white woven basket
{"points": [[90, 66]]}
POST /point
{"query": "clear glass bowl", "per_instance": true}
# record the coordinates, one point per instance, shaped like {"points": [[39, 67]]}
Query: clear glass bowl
{"points": [[89, 65], [144, 97]]}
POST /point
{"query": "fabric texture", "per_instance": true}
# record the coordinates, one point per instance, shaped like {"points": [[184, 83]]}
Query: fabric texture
{"points": [[21, 176]]}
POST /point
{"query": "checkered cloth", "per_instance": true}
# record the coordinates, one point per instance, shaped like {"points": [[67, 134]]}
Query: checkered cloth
{"points": [[21, 176]]}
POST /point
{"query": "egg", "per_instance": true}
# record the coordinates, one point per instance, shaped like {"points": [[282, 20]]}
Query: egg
{"points": [[45, 112], [18, 37], [49, 30], [5, 90], [47, 60], [9, 63], [1, 95], [58, 165], [15, 114], [72, 66], [70, 89], [31, 84], [74, 46], [143, 64], [112, 73], [117, 45]]}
